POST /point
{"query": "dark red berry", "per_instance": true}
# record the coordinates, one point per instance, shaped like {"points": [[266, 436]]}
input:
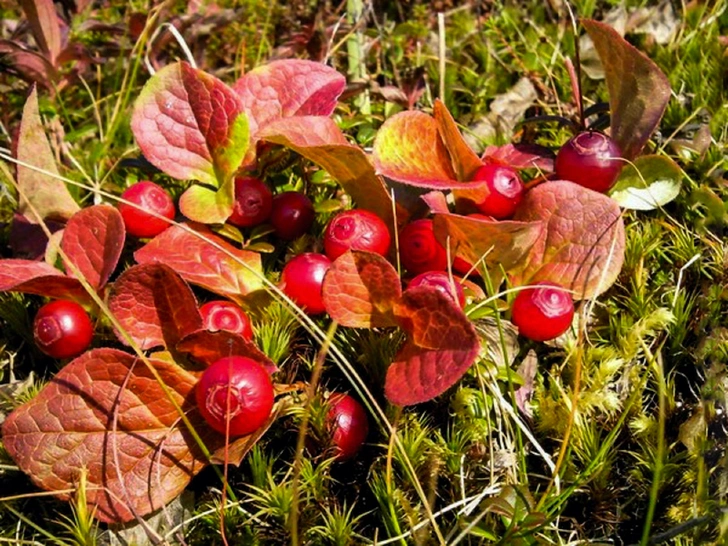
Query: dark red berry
{"points": [[245, 384], [590, 159], [441, 281], [253, 202], [302, 278], [356, 229], [225, 315], [419, 250], [348, 425], [146, 197], [62, 329], [542, 312], [505, 190], [292, 215]]}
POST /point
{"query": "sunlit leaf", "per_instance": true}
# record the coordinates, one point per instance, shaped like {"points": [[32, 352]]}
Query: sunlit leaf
{"points": [[650, 182], [463, 159], [208, 347], [32, 277]]}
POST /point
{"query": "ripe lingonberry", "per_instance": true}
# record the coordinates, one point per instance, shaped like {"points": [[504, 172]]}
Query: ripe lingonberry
{"points": [[542, 312], [225, 315], [253, 202], [590, 159], [441, 281], [505, 190], [356, 229], [302, 278], [62, 329], [348, 425], [292, 215], [146, 197], [419, 250]]}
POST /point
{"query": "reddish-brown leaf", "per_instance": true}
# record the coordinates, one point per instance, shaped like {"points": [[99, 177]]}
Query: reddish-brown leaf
{"points": [[43, 20], [105, 413], [93, 241], [287, 88], [442, 345], [32, 277], [464, 160], [360, 289], [638, 90], [521, 156], [208, 347], [29, 65], [581, 245], [154, 306], [204, 259]]}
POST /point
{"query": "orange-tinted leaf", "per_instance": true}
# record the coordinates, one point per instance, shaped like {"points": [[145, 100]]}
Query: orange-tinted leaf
{"points": [[464, 160], [105, 413], [582, 244], [202, 258], [638, 90], [208, 347], [504, 243], [39, 278], [93, 241], [154, 306], [442, 345], [44, 193], [360, 289]]}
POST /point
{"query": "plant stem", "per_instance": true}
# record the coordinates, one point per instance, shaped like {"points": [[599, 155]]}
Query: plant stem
{"points": [[354, 47]]}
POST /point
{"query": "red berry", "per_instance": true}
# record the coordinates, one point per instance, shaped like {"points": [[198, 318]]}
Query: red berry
{"points": [[292, 215], [62, 329], [146, 197], [542, 312], [590, 159], [441, 281], [302, 278], [253, 202], [348, 425], [505, 190], [225, 315], [419, 250], [250, 393], [356, 229]]}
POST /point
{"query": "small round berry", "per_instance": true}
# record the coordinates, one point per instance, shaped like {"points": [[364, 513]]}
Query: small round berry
{"points": [[62, 329], [302, 278], [356, 229], [146, 196], [225, 315], [247, 386], [419, 250], [542, 312], [292, 215], [590, 159], [348, 425], [441, 281], [253, 202], [505, 190]]}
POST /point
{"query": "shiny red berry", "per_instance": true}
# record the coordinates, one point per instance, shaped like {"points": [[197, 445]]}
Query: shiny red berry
{"points": [[419, 250], [62, 329], [348, 425], [542, 312], [146, 197], [505, 190], [302, 279], [292, 215], [356, 229], [253, 202], [243, 383], [225, 315], [441, 281], [590, 159]]}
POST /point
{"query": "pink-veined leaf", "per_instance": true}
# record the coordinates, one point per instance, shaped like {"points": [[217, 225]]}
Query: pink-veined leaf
{"points": [[581, 246], [189, 124], [40, 278], [521, 156], [43, 20], [105, 412], [463, 159], [93, 241], [360, 290], [204, 259], [154, 306], [208, 347], [638, 90], [442, 345], [41, 195], [287, 88]]}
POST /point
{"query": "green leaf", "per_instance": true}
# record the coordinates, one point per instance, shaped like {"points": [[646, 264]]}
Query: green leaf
{"points": [[649, 183]]}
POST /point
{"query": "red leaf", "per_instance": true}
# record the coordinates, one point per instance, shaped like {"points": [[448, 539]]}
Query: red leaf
{"points": [[638, 90], [154, 306], [40, 278], [43, 19], [442, 346], [521, 156], [41, 195], [93, 240], [204, 259], [360, 289], [287, 88], [208, 347], [105, 412], [30, 65], [464, 160], [582, 244]]}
